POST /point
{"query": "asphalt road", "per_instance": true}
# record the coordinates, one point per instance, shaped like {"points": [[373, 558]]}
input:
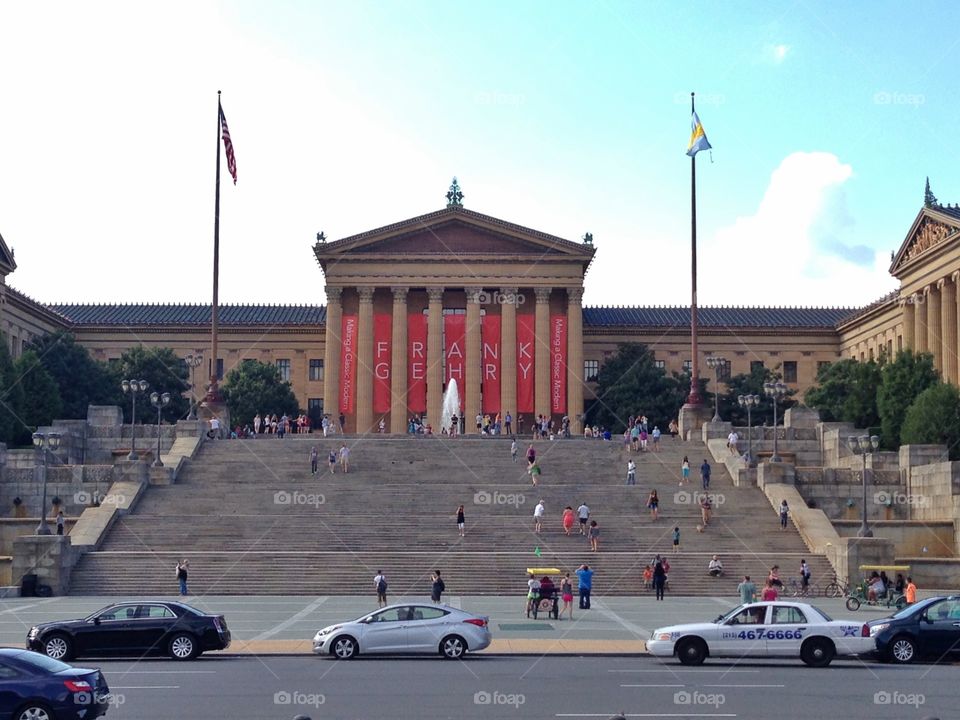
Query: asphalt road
{"points": [[528, 688]]}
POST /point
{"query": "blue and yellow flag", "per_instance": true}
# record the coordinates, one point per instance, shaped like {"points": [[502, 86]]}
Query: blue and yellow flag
{"points": [[698, 138]]}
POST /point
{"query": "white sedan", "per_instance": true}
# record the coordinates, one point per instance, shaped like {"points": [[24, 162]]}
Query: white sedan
{"points": [[406, 628], [765, 629]]}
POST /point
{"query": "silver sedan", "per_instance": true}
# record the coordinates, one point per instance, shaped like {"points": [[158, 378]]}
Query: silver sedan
{"points": [[406, 628]]}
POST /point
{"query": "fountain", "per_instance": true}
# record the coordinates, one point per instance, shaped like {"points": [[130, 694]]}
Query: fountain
{"points": [[450, 407]]}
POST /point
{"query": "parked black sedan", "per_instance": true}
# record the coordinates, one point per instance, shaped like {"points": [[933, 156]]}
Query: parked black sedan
{"points": [[133, 629], [929, 628], [35, 687]]}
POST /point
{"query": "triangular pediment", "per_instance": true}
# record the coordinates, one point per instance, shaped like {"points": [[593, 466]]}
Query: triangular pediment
{"points": [[7, 263], [454, 231], [934, 228]]}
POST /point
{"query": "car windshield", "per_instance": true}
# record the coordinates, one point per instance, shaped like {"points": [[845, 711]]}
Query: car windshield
{"points": [[729, 615], [916, 607], [42, 662]]}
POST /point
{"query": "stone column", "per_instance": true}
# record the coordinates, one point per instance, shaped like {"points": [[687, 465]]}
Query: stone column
{"points": [[398, 363], [434, 356], [508, 353], [331, 353], [541, 391], [575, 358], [948, 331], [365, 361], [920, 326], [471, 400], [908, 307], [933, 327]]}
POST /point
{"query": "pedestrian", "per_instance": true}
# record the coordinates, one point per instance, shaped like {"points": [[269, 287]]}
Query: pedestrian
{"points": [[747, 590], [643, 438], [534, 471], [344, 457], [438, 587], [705, 474], [732, 440], [784, 514], [538, 516], [594, 536], [513, 449], [655, 435], [583, 514], [631, 472], [382, 426], [659, 577], [674, 429], [910, 591], [533, 593], [676, 539], [257, 422], [343, 422], [566, 592], [332, 461], [804, 575], [584, 584], [314, 459], [325, 425], [715, 568], [508, 424], [653, 504], [769, 593], [182, 567], [60, 522], [567, 520], [380, 583], [531, 455], [460, 519], [479, 420]]}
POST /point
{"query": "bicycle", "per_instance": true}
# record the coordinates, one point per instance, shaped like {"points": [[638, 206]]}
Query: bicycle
{"points": [[795, 588], [836, 588]]}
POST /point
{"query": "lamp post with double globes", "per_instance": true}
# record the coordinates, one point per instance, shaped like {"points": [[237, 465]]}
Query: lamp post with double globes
{"points": [[717, 364], [775, 390], [133, 387], [193, 362], [861, 446], [749, 402], [159, 402], [42, 441]]}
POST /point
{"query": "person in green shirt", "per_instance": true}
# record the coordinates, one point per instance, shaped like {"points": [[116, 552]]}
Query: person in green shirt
{"points": [[747, 590]]}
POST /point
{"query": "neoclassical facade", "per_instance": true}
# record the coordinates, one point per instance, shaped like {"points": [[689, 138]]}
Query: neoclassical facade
{"points": [[496, 306]]}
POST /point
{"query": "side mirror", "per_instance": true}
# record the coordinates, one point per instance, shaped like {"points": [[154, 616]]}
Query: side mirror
{"points": [[96, 621]]}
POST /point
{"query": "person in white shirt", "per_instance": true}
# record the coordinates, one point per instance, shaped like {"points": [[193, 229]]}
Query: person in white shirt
{"points": [[715, 568], [631, 472], [538, 512], [732, 440], [583, 513], [215, 427], [380, 583]]}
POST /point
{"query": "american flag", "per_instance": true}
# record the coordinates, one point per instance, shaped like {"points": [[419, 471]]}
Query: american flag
{"points": [[228, 147]]}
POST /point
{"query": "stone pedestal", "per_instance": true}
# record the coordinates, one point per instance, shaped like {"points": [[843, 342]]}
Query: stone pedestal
{"points": [[208, 410], [771, 472], [692, 418], [801, 417], [50, 557], [854, 552]]}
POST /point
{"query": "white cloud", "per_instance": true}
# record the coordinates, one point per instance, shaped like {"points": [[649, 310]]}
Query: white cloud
{"points": [[780, 52], [797, 248]]}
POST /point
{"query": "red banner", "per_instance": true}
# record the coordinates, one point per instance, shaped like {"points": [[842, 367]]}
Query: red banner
{"points": [[382, 347], [417, 363], [558, 364], [348, 362], [526, 341], [490, 358], [454, 330]]}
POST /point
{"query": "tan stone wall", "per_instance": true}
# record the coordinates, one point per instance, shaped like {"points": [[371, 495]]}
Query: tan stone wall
{"points": [[23, 321], [874, 333]]}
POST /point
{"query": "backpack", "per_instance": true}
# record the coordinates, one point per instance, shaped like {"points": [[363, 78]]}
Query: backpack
{"points": [[382, 586], [440, 586]]}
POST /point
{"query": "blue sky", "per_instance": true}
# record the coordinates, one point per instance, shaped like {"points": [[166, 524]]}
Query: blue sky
{"points": [[567, 117]]}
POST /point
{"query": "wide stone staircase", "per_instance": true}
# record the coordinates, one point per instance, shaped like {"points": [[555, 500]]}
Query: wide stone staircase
{"points": [[252, 520]]}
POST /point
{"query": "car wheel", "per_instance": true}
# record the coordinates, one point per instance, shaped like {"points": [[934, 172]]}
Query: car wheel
{"points": [[853, 604], [453, 647], [183, 647], [692, 651], [344, 648], [902, 649], [817, 652], [58, 647], [34, 711]]}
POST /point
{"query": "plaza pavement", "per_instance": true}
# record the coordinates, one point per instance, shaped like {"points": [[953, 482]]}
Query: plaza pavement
{"points": [[285, 625]]}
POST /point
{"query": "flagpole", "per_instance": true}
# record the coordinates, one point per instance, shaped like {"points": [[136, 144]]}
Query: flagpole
{"points": [[693, 399], [213, 392]]}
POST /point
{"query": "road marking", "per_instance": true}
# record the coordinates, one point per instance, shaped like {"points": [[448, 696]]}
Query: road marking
{"points": [[308, 610], [654, 685], [145, 687], [28, 605], [746, 686]]}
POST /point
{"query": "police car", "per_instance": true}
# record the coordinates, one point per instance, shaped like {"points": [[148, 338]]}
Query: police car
{"points": [[765, 629]]}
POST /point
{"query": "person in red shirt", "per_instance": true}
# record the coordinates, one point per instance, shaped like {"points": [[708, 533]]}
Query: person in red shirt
{"points": [[769, 592]]}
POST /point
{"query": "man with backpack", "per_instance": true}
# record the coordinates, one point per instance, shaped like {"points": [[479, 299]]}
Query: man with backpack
{"points": [[438, 587], [380, 582]]}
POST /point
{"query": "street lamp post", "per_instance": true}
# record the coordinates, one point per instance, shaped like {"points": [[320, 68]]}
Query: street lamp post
{"points": [[749, 402], [717, 364], [775, 390], [193, 362], [861, 446], [42, 441], [133, 387], [159, 402]]}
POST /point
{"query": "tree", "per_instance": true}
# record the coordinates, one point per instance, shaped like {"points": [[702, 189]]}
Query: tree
{"points": [[846, 391], [752, 384], [904, 378], [253, 387], [81, 380], [934, 418], [41, 403], [630, 383], [11, 397], [165, 372]]}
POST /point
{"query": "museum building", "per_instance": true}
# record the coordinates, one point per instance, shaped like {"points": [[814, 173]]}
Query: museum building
{"points": [[456, 294]]}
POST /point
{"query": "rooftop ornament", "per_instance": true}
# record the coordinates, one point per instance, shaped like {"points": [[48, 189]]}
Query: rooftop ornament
{"points": [[588, 239], [929, 199], [455, 195], [321, 237]]}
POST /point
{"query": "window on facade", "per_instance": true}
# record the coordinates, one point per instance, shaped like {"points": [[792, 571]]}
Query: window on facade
{"points": [[790, 371], [315, 408], [590, 370], [662, 364], [899, 343], [284, 367], [889, 348], [723, 372], [821, 364], [316, 370], [687, 365], [756, 366]]}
